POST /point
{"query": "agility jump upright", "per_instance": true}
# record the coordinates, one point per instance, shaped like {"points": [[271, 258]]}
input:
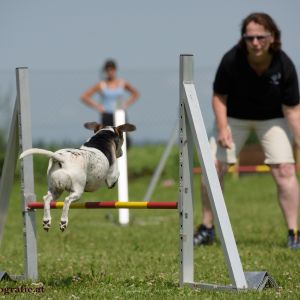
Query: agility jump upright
{"points": [[19, 140], [192, 133]]}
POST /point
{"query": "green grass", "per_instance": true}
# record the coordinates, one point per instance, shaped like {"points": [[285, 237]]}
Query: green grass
{"points": [[97, 259]]}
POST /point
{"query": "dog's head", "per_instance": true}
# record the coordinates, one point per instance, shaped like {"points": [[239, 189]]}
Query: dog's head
{"points": [[118, 131]]}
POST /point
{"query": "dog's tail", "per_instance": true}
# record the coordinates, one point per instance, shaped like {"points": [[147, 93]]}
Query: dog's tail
{"points": [[36, 151]]}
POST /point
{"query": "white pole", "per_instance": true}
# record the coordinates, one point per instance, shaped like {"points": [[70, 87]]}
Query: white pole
{"points": [[122, 166]]}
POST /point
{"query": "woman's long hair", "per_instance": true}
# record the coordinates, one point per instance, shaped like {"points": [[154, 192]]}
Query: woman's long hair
{"points": [[268, 23]]}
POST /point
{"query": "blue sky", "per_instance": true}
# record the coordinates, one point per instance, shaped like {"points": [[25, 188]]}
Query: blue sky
{"points": [[141, 34]]}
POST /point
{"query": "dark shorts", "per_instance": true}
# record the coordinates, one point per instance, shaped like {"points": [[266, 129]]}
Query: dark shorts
{"points": [[107, 119]]}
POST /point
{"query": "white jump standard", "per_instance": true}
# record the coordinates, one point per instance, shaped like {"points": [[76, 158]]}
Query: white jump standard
{"points": [[19, 140], [191, 133]]}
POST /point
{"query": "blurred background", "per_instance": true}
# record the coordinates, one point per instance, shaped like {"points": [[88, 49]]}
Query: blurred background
{"points": [[65, 42]]}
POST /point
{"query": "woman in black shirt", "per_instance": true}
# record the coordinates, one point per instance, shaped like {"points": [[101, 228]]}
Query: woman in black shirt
{"points": [[256, 87]]}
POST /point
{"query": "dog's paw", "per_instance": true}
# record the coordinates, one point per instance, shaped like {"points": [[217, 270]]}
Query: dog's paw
{"points": [[112, 185], [63, 225], [46, 224]]}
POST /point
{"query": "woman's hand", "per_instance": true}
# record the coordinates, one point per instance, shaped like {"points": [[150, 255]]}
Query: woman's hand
{"points": [[224, 138], [292, 114], [100, 108]]}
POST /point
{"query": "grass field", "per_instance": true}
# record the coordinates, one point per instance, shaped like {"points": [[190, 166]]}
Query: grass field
{"points": [[97, 259]]}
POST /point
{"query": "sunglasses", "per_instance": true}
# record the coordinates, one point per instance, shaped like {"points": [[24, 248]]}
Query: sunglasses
{"points": [[251, 38]]}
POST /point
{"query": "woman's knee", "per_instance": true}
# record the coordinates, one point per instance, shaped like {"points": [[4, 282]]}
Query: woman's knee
{"points": [[283, 173]]}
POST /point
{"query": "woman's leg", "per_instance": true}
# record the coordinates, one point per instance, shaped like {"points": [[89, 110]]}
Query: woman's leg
{"points": [[277, 144], [207, 214], [204, 235], [288, 192]]}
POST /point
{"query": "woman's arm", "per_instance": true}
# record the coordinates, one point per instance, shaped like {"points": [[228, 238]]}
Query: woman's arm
{"points": [[219, 104], [292, 114], [134, 95], [86, 97]]}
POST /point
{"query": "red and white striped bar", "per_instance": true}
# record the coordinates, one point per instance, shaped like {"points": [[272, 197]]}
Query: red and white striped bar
{"points": [[108, 204]]}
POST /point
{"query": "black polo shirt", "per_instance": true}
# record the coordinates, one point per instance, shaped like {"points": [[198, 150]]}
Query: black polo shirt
{"points": [[255, 97]]}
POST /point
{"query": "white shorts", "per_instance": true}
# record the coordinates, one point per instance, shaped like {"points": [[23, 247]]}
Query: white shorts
{"points": [[274, 136]]}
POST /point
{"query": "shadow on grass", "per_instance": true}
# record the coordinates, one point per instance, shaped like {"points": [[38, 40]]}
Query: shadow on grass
{"points": [[108, 283], [61, 282], [155, 282], [260, 243]]}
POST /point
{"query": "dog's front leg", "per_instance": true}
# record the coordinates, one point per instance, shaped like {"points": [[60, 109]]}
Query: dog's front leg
{"points": [[64, 217], [112, 176]]}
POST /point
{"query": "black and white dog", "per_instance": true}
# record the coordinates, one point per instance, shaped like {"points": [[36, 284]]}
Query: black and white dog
{"points": [[82, 170]]}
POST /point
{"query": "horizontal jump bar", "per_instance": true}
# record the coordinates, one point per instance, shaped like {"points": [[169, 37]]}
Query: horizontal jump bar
{"points": [[245, 169], [106, 204]]}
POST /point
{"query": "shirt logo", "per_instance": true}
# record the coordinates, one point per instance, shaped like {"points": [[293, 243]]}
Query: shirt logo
{"points": [[275, 78]]}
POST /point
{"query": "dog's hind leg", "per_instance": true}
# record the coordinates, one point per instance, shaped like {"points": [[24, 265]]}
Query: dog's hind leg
{"points": [[74, 196], [47, 216]]}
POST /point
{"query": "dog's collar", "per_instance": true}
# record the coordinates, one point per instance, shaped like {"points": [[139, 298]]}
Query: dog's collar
{"points": [[107, 129]]}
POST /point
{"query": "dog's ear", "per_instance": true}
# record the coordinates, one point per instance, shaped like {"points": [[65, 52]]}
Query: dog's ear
{"points": [[93, 126], [126, 127]]}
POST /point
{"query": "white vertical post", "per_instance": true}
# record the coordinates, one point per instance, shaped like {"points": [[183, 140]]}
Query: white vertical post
{"points": [[27, 179], [122, 166], [186, 263], [193, 113]]}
